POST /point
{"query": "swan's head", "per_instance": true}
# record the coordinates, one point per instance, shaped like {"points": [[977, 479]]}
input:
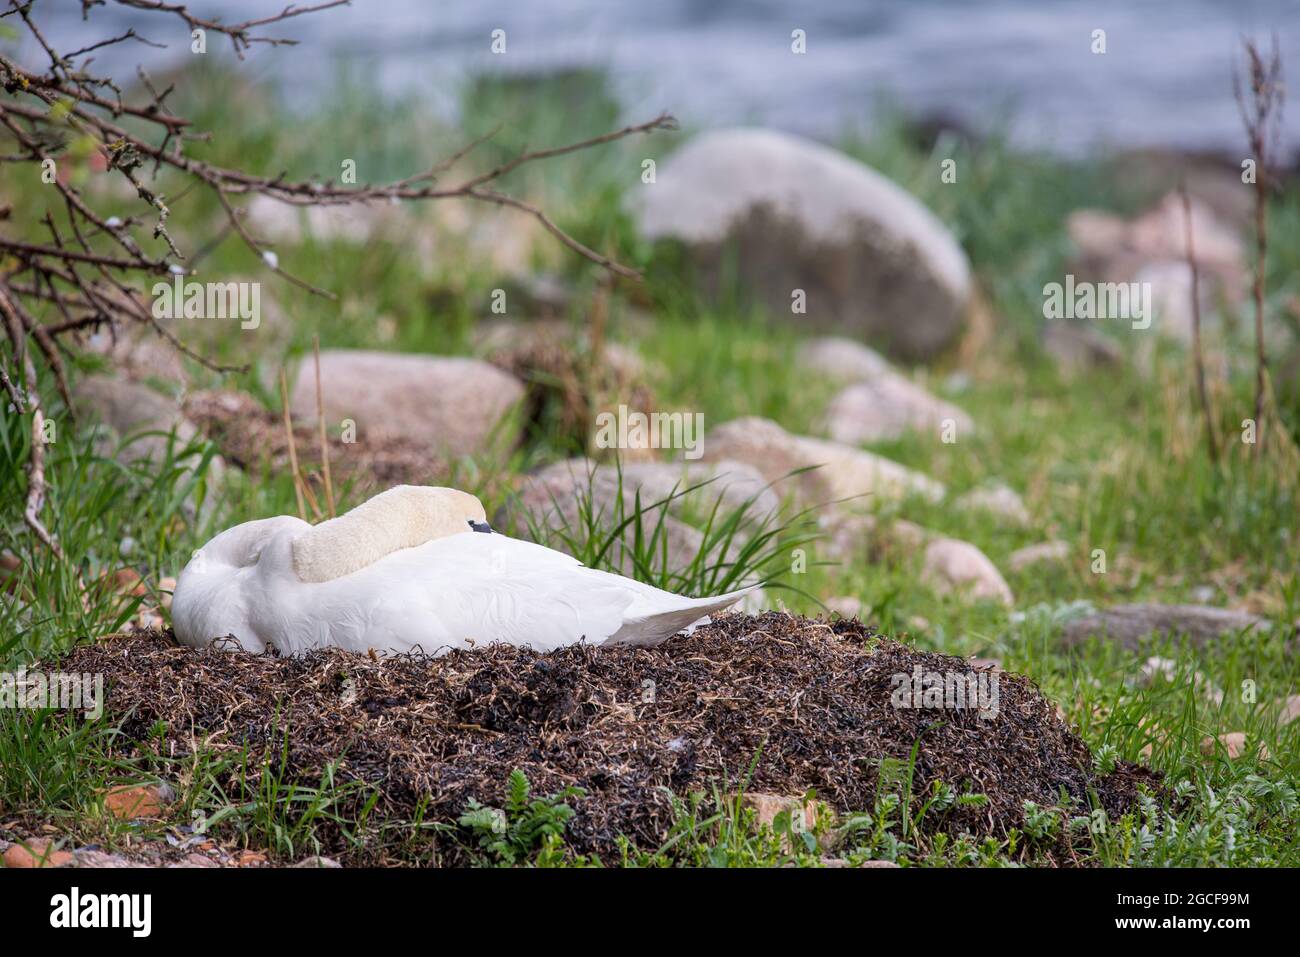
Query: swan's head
{"points": [[243, 545], [204, 605], [403, 517]]}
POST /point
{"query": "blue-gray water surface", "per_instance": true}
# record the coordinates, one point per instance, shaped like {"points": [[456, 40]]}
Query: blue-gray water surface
{"points": [[1165, 78]]}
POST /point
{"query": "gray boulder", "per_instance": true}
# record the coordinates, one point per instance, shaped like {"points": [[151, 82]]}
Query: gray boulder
{"points": [[695, 487], [1053, 552], [955, 566], [888, 408], [877, 402], [1129, 624], [449, 404], [997, 499], [788, 213], [136, 422], [558, 502], [834, 471], [1078, 348], [698, 486], [842, 360]]}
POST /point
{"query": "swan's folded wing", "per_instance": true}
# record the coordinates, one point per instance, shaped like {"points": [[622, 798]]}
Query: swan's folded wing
{"points": [[478, 588], [652, 622]]}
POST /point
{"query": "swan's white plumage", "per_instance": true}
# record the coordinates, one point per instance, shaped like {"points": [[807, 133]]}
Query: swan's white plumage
{"points": [[453, 591]]}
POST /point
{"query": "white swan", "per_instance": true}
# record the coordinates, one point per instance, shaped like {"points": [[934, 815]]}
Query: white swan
{"points": [[411, 570]]}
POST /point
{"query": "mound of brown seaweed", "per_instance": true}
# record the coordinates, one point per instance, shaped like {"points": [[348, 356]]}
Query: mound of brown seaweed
{"points": [[814, 700]]}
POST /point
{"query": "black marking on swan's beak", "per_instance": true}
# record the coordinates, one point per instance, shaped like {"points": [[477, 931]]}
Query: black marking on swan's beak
{"points": [[480, 526]]}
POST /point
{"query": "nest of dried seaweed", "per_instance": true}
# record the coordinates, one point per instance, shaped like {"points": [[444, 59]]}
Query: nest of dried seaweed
{"points": [[811, 698]]}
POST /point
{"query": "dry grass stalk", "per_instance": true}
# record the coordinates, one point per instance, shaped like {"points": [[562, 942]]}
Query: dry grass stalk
{"points": [[36, 455], [293, 448], [1199, 355], [324, 441], [597, 322], [1261, 114]]}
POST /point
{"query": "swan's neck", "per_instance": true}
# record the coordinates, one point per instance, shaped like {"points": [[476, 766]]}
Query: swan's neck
{"points": [[402, 517]]}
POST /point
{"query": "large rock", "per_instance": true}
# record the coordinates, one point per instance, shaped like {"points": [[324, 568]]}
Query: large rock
{"points": [[1171, 298], [850, 535], [563, 503], [997, 499], [1079, 348], [1114, 247], [698, 486], [833, 471], [691, 489], [955, 566], [252, 436], [890, 407], [1152, 248], [773, 213], [452, 405], [558, 504], [1054, 552], [1129, 624], [842, 360], [141, 423], [878, 402], [36, 852]]}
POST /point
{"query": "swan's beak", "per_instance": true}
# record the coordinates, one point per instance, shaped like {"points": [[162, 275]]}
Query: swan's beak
{"points": [[480, 526]]}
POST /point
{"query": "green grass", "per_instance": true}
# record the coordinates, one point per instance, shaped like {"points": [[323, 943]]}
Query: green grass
{"points": [[739, 546], [1108, 461]]}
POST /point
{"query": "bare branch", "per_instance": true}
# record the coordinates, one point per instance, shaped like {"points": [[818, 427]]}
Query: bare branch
{"points": [[83, 275], [36, 454]]}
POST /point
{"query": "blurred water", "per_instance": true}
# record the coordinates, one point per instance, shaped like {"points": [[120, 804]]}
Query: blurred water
{"points": [[1166, 78]]}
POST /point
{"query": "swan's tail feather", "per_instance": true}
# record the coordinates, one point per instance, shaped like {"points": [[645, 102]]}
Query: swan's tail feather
{"points": [[685, 614]]}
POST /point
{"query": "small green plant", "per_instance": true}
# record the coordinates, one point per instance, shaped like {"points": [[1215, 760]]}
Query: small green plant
{"points": [[892, 829], [788, 824], [527, 828], [1041, 822], [1104, 758]]}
